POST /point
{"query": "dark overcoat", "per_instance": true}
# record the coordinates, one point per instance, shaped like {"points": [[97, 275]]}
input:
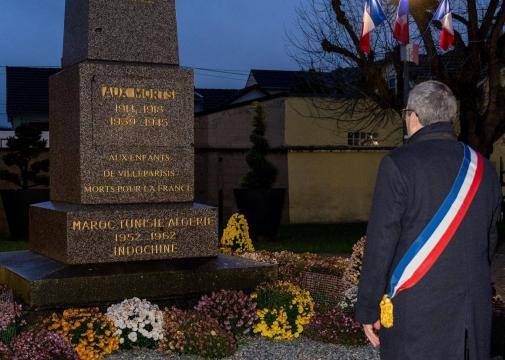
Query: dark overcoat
{"points": [[451, 305]]}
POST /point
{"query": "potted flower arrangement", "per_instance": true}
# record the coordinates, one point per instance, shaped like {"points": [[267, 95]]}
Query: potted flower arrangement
{"points": [[236, 239], [256, 199], [24, 150]]}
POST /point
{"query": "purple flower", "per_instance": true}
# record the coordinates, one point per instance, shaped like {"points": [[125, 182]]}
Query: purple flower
{"points": [[234, 310], [41, 345]]}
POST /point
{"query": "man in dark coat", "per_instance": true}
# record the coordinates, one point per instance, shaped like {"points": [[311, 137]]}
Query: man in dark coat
{"points": [[447, 314]]}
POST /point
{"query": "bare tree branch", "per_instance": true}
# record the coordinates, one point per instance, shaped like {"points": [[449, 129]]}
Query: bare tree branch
{"points": [[472, 68], [329, 47], [342, 19], [487, 21], [460, 18]]}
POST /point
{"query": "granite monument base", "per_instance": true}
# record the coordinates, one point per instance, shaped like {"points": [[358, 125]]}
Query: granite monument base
{"points": [[91, 234], [43, 283]]}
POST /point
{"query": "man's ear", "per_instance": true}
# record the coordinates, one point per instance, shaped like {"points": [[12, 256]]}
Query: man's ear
{"points": [[416, 122]]}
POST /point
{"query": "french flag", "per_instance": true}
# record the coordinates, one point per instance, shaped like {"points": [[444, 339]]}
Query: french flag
{"points": [[372, 18], [401, 29], [444, 15]]}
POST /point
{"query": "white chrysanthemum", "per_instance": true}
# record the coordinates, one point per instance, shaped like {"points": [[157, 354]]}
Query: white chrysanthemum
{"points": [[132, 336], [135, 315]]}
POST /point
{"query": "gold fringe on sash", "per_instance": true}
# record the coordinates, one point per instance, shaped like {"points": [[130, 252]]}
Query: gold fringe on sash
{"points": [[386, 306]]}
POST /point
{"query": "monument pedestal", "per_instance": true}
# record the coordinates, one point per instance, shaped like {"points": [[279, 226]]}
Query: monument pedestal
{"points": [[43, 283], [91, 234]]}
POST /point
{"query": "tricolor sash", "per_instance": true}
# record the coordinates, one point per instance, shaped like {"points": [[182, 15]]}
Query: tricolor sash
{"points": [[435, 237]]}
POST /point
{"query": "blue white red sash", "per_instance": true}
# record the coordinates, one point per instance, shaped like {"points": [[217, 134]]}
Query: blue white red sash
{"points": [[435, 237]]}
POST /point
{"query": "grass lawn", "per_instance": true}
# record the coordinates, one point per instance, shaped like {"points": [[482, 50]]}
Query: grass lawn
{"points": [[299, 238], [9, 245], [316, 238]]}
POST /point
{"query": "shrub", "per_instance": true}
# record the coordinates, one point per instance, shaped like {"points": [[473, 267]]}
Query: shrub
{"points": [[353, 271], [234, 310], [38, 345], [91, 333], [139, 323], [24, 148], [283, 310], [189, 332], [331, 325], [236, 239], [262, 173]]}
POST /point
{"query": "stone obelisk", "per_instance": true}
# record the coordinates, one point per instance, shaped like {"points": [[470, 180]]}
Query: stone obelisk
{"points": [[121, 221], [121, 134]]}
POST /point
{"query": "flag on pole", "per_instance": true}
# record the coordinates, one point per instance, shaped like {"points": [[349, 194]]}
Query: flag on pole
{"points": [[401, 29], [410, 53], [444, 15], [372, 18]]}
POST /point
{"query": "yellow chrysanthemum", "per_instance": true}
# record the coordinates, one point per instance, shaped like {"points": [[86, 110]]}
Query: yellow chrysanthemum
{"points": [[281, 322], [236, 239]]}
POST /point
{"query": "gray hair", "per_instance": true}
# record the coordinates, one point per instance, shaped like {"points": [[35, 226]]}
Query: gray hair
{"points": [[433, 102]]}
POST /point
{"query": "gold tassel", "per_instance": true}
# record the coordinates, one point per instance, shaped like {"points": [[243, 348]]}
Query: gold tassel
{"points": [[386, 306]]}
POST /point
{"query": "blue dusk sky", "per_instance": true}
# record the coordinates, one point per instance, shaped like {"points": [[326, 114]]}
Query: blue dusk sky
{"points": [[213, 34]]}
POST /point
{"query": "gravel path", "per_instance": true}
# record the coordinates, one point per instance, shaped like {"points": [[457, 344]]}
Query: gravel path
{"points": [[261, 349]]}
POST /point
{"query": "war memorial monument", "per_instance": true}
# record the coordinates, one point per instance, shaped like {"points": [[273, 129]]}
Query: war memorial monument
{"points": [[122, 221]]}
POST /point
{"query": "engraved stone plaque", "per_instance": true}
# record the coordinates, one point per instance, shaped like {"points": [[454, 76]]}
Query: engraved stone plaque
{"points": [[127, 137]]}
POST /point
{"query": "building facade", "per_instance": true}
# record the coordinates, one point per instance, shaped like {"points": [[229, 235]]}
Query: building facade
{"points": [[326, 164]]}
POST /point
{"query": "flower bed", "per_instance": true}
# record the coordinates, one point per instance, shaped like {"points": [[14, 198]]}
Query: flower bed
{"points": [[292, 266], [315, 295]]}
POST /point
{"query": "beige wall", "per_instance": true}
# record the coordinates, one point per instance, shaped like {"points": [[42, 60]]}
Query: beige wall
{"points": [[323, 186], [332, 186], [327, 187], [320, 122], [221, 142], [231, 128], [222, 171]]}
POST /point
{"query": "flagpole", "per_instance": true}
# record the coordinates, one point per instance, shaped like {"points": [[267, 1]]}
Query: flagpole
{"points": [[406, 85]]}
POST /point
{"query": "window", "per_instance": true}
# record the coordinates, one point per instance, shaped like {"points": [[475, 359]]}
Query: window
{"points": [[361, 138], [392, 83]]}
